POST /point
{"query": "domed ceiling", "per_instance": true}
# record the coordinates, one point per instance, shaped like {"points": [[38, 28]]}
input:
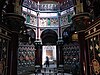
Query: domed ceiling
{"points": [[48, 4], [60, 1]]}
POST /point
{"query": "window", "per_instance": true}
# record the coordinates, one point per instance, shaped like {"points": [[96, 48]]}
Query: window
{"points": [[69, 18], [48, 21], [28, 19]]}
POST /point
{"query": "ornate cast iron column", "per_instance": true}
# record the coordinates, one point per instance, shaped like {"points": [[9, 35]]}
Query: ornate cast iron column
{"points": [[59, 53], [59, 29], [13, 22], [38, 54], [59, 42], [81, 22]]}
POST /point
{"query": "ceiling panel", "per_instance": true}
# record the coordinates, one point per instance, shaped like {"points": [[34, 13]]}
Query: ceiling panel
{"points": [[60, 1]]}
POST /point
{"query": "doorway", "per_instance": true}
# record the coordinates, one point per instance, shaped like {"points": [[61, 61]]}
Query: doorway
{"points": [[49, 39], [50, 52]]}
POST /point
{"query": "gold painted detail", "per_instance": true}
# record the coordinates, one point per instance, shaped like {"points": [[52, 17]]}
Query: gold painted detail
{"points": [[94, 29], [91, 48], [3, 41], [91, 39], [6, 33], [0, 39], [89, 32], [96, 66], [99, 54], [97, 47], [94, 38], [0, 30]]}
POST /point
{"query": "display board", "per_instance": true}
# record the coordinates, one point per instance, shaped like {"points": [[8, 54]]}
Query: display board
{"points": [[48, 22]]}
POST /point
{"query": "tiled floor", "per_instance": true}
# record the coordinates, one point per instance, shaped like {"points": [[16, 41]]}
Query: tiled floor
{"points": [[51, 70], [50, 66], [53, 74]]}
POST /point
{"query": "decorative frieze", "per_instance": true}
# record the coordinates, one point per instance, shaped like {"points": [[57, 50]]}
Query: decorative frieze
{"points": [[93, 30]]}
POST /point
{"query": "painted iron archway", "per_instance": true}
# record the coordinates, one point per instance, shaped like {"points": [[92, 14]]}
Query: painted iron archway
{"points": [[49, 36], [49, 40]]}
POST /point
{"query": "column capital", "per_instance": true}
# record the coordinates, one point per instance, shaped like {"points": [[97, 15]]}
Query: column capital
{"points": [[38, 42], [81, 21], [14, 21]]}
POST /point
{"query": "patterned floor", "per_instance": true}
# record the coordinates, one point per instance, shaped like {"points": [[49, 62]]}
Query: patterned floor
{"points": [[51, 70], [53, 74]]}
